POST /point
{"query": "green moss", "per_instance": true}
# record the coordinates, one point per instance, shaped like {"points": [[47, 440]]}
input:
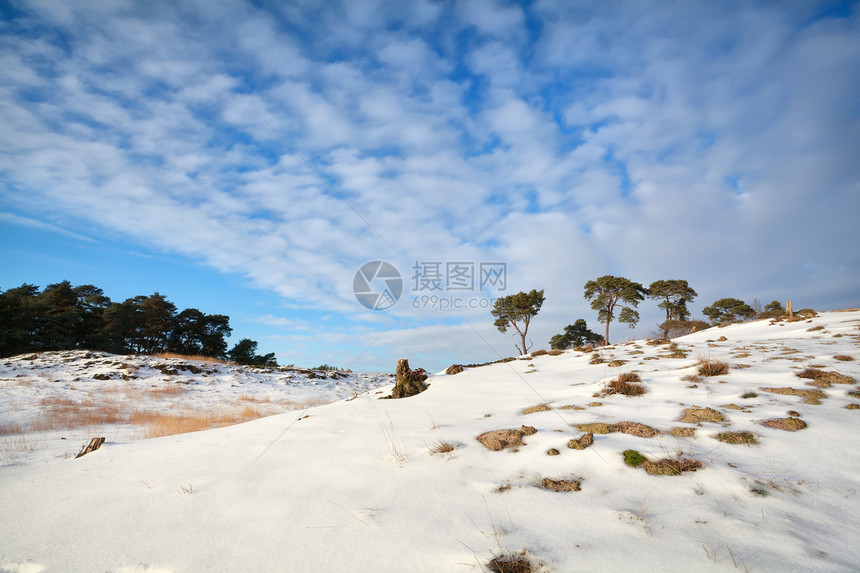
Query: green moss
{"points": [[633, 458]]}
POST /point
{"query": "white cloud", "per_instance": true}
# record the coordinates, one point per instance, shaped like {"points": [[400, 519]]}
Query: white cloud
{"points": [[694, 142]]}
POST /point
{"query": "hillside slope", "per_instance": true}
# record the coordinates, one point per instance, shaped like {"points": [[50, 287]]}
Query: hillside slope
{"points": [[356, 486]]}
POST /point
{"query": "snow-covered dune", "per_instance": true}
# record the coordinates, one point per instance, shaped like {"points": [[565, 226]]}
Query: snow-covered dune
{"points": [[362, 484]]}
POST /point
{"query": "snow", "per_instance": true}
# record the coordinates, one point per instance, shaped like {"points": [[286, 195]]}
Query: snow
{"points": [[353, 485]]}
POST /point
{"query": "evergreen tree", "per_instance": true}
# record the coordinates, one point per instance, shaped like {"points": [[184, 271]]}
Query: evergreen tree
{"points": [[574, 335], [728, 310], [607, 293], [515, 309]]}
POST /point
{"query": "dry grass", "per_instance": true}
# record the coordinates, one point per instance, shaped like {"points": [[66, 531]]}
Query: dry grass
{"points": [[711, 367], [810, 396], [737, 437], [560, 485], [824, 378], [442, 447], [791, 424], [636, 429], [9, 428], [624, 384], [697, 415], [596, 428], [672, 467], [844, 357], [168, 391], [511, 563], [157, 424], [683, 432], [538, 408]]}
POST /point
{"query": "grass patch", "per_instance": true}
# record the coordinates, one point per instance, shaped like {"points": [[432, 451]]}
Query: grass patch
{"points": [[737, 437], [844, 357], [790, 424], [697, 415], [582, 442], [596, 428], [624, 384], [511, 563], [749, 395], [633, 458], [710, 367], [682, 432], [672, 467], [636, 429], [538, 408], [442, 447], [810, 396], [822, 377], [560, 485]]}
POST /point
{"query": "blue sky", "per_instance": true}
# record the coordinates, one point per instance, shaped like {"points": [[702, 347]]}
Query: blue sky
{"points": [[247, 158]]}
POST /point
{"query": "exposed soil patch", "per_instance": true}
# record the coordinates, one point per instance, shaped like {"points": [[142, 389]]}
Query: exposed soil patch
{"points": [[791, 424], [528, 430], [498, 440], [669, 467], [596, 428], [636, 429], [825, 376], [683, 432], [810, 396], [697, 415], [582, 442], [737, 437], [560, 485], [538, 408]]}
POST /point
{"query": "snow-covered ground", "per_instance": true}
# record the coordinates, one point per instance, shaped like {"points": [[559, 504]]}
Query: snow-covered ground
{"points": [[355, 485]]}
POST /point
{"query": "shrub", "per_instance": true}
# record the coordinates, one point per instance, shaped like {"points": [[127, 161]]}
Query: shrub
{"points": [[540, 352]]}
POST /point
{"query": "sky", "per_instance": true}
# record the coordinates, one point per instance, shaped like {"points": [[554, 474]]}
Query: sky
{"points": [[249, 159]]}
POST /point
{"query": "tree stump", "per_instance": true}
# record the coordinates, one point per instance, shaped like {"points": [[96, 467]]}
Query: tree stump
{"points": [[788, 310], [408, 382], [94, 444]]}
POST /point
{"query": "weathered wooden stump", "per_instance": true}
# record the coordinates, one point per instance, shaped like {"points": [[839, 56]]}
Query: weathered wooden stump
{"points": [[408, 382], [94, 444]]}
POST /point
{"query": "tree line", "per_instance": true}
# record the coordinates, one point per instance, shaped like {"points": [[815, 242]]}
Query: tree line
{"points": [[66, 317], [618, 297]]}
